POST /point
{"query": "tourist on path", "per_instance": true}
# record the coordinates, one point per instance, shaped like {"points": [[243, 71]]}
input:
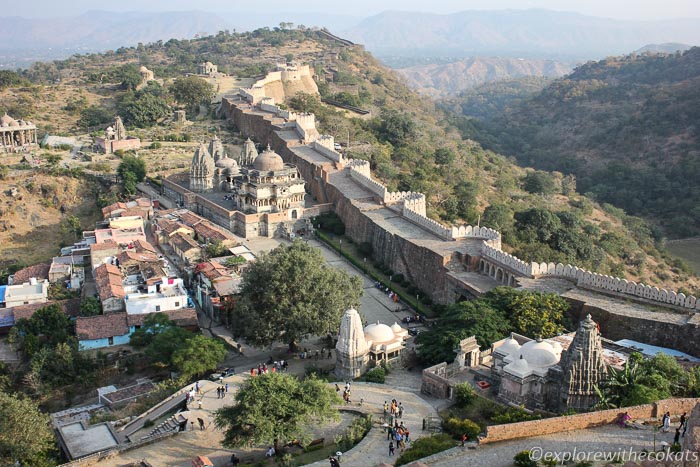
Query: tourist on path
{"points": [[201, 423], [677, 436], [666, 426], [391, 448]]}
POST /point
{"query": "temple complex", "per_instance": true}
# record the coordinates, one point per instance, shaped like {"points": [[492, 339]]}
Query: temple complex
{"points": [[359, 349], [17, 135]]}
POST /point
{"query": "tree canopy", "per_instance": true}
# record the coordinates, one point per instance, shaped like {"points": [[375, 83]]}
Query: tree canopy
{"points": [[192, 91], [131, 171], [198, 355], [490, 318], [275, 407], [25, 433], [291, 293]]}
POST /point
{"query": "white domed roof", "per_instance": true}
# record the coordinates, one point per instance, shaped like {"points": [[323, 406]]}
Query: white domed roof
{"points": [[539, 353], [519, 367], [379, 333], [226, 163], [268, 161], [396, 327], [509, 346]]}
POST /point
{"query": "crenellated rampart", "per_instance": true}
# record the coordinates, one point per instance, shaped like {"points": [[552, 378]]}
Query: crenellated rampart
{"points": [[413, 208]]}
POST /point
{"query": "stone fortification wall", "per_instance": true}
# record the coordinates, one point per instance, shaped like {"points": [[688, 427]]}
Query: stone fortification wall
{"points": [[663, 328], [321, 147], [582, 421], [413, 209], [616, 286]]}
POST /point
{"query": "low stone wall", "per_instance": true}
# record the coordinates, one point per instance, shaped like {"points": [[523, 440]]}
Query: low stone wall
{"points": [[582, 421]]}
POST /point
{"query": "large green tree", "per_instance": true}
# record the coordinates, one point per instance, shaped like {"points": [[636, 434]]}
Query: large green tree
{"points": [[132, 169], [199, 355], [25, 433], [192, 91], [274, 408], [290, 293]]}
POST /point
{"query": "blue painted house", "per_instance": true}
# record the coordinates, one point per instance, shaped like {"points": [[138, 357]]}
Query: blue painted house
{"points": [[95, 332]]}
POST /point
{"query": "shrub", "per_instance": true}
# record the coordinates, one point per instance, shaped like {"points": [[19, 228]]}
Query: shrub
{"points": [[513, 415], [464, 394], [426, 446], [456, 428], [376, 375], [156, 145], [522, 459]]}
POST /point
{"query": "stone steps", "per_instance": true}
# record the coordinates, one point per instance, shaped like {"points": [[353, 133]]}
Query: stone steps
{"points": [[170, 425]]}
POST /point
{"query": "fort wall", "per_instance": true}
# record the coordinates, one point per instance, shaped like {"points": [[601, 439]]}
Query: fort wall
{"points": [[496, 433]]}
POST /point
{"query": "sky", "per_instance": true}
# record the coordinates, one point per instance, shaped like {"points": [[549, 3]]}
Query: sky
{"points": [[618, 9]]}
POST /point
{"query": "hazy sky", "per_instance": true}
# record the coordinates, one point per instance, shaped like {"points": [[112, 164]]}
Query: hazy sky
{"points": [[620, 9]]}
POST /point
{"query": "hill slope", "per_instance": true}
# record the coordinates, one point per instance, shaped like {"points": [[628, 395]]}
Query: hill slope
{"points": [[440, 80], [411, 146], [520, 33], [628, 127]]}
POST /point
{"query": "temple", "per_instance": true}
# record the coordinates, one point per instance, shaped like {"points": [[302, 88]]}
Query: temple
{"points": [[115, 138], [359, 349], [17, 135]]}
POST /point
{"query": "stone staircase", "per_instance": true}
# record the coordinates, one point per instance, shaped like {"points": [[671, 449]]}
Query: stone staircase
{"points": [[172, 424]]}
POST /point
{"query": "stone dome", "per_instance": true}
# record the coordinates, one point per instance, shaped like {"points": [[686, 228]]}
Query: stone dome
{"points": [[519, 367], [379, 333], [6, 121], [268, 161], [539, 353], [509, 346], [396, 328], [226, 163]]}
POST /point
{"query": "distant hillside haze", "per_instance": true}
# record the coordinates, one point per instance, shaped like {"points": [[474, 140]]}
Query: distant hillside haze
{"points": [[440, 80], [102, 30], [668, 48], [515, 33]]}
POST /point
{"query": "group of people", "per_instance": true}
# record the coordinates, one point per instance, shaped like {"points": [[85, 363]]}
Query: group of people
{"points": [[398, 434], [395, 409], [317, 354], [393, 296], [221, 391], [263, 369], [666, 426], [346, 391]]}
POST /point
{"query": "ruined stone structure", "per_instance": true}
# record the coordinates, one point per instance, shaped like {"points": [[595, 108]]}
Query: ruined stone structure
{"points": [[359, 349], [583, 367], [207, 68], [179, 117], [17, 135], [116, 138], [444, 262], [146, 76]]}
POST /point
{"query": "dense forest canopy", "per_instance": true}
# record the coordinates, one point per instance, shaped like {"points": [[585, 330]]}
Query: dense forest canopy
{"points": [[627, 127]]}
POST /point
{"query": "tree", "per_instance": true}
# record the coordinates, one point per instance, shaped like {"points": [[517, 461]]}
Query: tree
{"points": [[25, 433], [192, 91], [290, 293], [533, 314], [71, 225], [538, 182], [90, 306], [143, 109], [153, 324], [275, 407], [444, 156], [134, 165], [199, 355], [48, 325]]}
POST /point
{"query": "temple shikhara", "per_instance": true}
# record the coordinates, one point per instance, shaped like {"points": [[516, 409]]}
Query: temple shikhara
{"points": [[17, 135]]}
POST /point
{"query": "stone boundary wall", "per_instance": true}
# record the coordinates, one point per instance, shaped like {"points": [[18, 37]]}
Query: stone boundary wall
{"points": [[321, 148], [591, 280], [507, 260], [359, 171], [496, 433]]}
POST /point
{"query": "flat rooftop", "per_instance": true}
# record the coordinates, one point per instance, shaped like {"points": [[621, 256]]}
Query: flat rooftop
{"points": [[81, 441]]}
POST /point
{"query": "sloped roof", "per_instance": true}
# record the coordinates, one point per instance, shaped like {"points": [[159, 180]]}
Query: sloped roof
{"points": [[70, 307], [108, 245], [183, 242], [209, 232], [143, 246], [39, 271], [109, 282], [101, 326], [184, 317]]}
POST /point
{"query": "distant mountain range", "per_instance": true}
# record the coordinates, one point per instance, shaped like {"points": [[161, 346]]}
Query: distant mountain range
{"points": [[668, 48], [514, 33], [451, 78]]}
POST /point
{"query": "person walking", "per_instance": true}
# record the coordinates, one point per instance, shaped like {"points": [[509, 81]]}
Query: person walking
{"points": [[677, 436], [464, 439], [201, 423], [391, 448], [666, 425], [400, 410]]}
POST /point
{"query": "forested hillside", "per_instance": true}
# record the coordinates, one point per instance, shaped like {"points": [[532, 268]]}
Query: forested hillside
{"points": [[410, 144], [627, 127]]}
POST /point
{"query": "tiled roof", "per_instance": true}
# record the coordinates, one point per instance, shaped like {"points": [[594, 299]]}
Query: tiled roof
{"points": [[108, 245], [108, 210], [189, 218], [101, 326], [40, 271], [131, 256], [109, 282], [169, 226], [141, 246], [183, 242], [213, 270], [70, 307], [206, 231], [184, 317]]}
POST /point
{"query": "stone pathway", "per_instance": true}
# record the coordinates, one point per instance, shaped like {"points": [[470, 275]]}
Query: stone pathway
{"points": [[606, 439]]}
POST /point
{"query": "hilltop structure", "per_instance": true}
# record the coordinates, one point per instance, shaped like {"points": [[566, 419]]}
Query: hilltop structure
{"points": [[207, 68], [17, 135], [115, 138]]}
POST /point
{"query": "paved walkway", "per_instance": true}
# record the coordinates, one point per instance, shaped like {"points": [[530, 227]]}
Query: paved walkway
{"points": [[606, 439], [180, 449]]}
